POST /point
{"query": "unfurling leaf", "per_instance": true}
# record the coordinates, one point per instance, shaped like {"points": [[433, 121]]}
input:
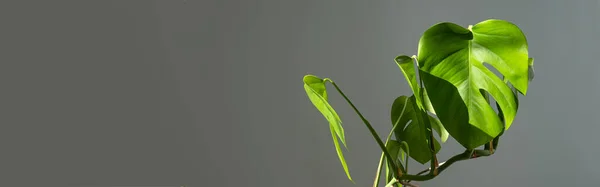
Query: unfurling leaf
{"points": [[317, 93]]}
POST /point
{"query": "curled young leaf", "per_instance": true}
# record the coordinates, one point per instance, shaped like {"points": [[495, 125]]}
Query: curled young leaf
{"points": [[317, 93]]}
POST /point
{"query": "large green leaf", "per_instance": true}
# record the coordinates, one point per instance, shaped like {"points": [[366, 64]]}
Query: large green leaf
{"points": [[451, 59], [413, 128], [317, 93]]}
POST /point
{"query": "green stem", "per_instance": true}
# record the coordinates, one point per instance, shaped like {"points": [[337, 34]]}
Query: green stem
{"points": [[387, 140], [468, 154], [490, 145], [429, 134], [391, 183], [407, 155], [434, 163], [501, 116], [373, 132], [378, 174]]}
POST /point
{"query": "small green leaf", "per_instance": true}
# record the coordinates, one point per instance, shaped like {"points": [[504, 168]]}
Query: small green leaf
{"points": [[400, 105], [317, 93], [415, 132], [338, 149], [407, 66]]}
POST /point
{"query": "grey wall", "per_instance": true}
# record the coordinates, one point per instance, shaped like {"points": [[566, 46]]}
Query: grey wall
{"points": [[209, 93]]}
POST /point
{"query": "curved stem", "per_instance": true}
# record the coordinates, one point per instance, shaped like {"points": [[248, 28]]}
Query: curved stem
{"points": [[373, 132], [468, 154], [391, 183], [378, 173], [387, 140], [433, 159]]}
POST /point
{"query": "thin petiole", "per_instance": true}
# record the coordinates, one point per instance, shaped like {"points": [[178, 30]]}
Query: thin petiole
{"points": [[373, 132], [387, 140]]}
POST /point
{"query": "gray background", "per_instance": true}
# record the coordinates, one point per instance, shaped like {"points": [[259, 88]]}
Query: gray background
{"points": [[209, 93]]}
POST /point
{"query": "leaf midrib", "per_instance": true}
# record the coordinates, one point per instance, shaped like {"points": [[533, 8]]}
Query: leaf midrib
{"points": [[469, 93]]}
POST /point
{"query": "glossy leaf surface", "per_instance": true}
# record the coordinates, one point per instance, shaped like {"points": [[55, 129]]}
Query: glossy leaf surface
{"points": [[412, 128], [407, 66], [451, 61]]}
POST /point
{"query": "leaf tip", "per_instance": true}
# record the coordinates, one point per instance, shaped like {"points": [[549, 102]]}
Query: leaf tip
{"points": [[444, 137], [310, 78], [530, 62], [402, 58], [343, 140]]}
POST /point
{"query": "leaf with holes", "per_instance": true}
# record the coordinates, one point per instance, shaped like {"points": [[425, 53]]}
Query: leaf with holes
{"points": [[412, 128], [407, 66], [451, 59]]}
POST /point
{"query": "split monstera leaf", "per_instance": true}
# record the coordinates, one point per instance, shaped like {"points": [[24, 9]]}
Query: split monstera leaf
{"points": [[454, 94]]}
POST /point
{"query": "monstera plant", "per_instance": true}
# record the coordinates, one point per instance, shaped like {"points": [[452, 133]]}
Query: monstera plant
{"points": [[454, 94]]}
